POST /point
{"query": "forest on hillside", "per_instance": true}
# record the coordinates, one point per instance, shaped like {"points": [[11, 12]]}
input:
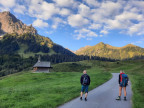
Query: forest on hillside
{"points": [[12, 62]]}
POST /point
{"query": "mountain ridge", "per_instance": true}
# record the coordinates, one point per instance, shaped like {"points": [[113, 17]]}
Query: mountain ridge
{"points": [[88, 46], [105, 50]]}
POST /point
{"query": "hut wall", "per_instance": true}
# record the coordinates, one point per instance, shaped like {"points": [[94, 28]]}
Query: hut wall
{"points": [[40, 69]]}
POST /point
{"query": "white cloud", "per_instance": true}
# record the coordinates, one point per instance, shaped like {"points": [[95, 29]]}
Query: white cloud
{"points": [[107, 10], [92, 15], [92, 2], [136, 29], [65, 3], [84, 10], [115, 24], [92, 34], [138, 4], [83, 30], [43, 10], [79, 36], [129, 16], [8, 3], [104, 32], [77, 20], [56, 22], [95, 26], [40, 23], [85, 33], [88, 16], [19, 9], [65, 12], [110, 8]]}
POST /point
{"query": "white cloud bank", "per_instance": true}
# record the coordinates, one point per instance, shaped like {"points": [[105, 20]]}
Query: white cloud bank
{"points": [[77, 20], [89, 18], [66, 3], [40, 23], [8, 3]]}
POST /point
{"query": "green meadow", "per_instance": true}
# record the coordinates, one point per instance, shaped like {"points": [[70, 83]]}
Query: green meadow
{"points": [[49, 90]]}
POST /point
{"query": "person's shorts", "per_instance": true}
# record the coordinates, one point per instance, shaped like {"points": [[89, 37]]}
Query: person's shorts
{"points": [[121, 85], [84, 88]]}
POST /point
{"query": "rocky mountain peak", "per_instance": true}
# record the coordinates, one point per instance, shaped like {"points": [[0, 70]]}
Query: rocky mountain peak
{"points": [[130, 45], [8, 16], [10, 24], [101, 43]]}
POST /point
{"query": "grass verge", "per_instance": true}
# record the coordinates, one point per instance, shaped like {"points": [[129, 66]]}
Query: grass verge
{"points": [[136, 74]]}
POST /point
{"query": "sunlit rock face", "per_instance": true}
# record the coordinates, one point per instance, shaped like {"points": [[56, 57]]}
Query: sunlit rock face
{"points": [[10, 24]]}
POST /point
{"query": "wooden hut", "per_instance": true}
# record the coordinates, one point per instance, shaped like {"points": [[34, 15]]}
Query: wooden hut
{"points": [[42, 66]]}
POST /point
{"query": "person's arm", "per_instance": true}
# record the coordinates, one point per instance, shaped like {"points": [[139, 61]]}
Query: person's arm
{"points": [[89, 80], [119, 79], [128, 80], [81, 79]]}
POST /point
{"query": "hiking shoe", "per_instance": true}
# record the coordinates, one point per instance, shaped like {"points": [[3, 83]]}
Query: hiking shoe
{"points": [[80, 98], [125, 98], [118, 98], [85, 99]]}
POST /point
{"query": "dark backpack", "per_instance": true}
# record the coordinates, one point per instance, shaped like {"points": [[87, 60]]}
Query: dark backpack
{"points": [[124, 80], [85, 80]]}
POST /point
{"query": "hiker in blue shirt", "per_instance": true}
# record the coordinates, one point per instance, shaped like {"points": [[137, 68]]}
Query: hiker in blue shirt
{"points": [[85, 82], [123, 82]]}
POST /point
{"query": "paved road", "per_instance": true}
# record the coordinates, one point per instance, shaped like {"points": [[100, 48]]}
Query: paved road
{"points": [[103, 97]]}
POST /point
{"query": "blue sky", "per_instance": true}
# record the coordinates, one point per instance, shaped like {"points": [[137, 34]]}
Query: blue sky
{"points": [[77, 23]]}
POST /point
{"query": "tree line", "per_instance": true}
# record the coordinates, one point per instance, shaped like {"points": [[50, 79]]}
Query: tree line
{"points": [[14, 63]]}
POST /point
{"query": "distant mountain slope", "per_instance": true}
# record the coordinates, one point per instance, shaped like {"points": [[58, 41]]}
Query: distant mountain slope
{"points": [[17, 37], [10, 24], [28, 44], [108, 51]]}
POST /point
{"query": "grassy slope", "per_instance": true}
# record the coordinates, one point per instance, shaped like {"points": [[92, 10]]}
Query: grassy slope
{"points": [[41, 90], [72, 66], [135, 71]]}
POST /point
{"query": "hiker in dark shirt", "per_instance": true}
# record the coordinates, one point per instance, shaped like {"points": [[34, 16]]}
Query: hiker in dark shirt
{"points": [[85, 82], [122, 85]]}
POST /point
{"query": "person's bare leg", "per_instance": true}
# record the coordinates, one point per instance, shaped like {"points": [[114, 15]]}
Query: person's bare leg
{"points": [[120, 90], [81, 94], [124, 91], [86, 95]]}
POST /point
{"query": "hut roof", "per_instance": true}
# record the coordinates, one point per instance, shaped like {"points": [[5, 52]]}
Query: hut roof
{"points": [[42, 64]]}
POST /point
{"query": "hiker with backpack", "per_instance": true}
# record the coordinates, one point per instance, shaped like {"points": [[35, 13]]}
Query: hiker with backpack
{"points": [[123, 82], [85, 82]]}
